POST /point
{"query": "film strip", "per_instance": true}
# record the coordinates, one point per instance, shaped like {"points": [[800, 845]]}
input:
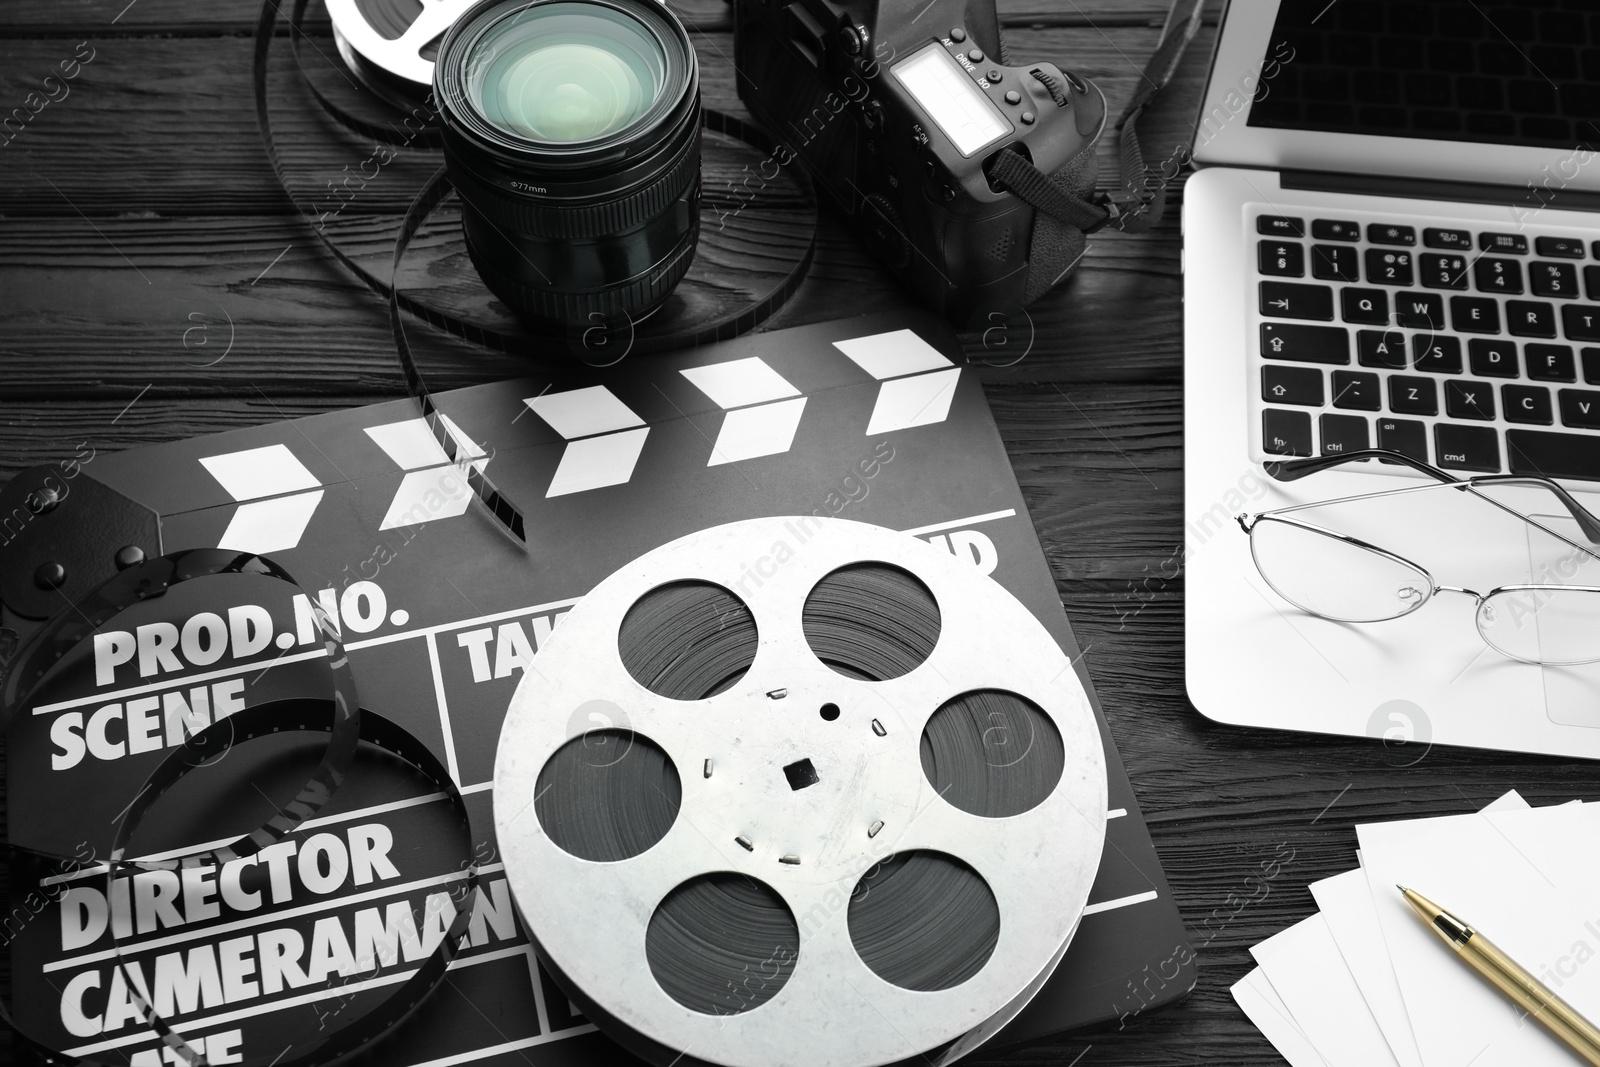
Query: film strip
{"points": [[877, 822], [340, 718], [606, 342]]}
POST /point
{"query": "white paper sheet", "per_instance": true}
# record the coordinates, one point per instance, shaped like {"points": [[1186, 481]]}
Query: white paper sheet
{"points": [[1304, 965], [1526, 881], [1347, 907], [1346, 904], [1262, 1005]]}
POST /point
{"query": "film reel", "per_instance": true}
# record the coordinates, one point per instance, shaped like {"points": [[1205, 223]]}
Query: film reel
{"points": [[800, 791], [391, 44]]}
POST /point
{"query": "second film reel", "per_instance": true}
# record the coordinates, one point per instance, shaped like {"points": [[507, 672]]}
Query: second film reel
{"points": [[391, 45]]}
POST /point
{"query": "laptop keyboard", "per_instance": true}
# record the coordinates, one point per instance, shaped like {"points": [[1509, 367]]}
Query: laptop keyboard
{"points": [[1475, 350]]}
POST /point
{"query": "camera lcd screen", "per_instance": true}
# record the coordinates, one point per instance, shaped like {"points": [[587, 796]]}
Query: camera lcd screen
{"points": [[958, 107]]}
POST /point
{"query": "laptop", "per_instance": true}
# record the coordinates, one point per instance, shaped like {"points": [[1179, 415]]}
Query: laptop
{"points": [[1392, 240]]}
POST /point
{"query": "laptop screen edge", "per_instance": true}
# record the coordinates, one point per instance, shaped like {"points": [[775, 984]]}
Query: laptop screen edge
{"points": [[1245, 57]]}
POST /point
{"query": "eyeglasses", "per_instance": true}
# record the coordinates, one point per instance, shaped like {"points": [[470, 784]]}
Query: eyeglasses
{"points": [[1342, 578]]}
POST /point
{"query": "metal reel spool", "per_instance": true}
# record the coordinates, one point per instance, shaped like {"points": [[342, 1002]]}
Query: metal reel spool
{"points": [[740, 812], [394, 67]]}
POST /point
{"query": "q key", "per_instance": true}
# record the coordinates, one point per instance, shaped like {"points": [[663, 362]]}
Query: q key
{"points": [[1305, 344]]}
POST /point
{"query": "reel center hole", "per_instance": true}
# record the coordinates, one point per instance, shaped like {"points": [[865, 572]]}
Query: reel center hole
{"points": [[801, 774], [829, 712]]}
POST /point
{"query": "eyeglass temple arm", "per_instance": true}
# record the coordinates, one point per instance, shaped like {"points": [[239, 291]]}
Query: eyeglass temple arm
{"points": [[1291, 470], [1585, 519], [1295, 469]]}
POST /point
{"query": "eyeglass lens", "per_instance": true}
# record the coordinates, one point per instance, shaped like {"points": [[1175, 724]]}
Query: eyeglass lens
{"points": [[1334, 578], [1545, 624]]}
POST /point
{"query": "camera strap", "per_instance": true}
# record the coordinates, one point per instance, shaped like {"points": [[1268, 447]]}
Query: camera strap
{"points": [[1142, 197]]}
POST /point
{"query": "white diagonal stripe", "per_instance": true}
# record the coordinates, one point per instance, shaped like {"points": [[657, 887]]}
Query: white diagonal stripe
{"points": [[764, 430], [411, 443], [583, 412], [1119, 902], [889, 355], [266, 526], [739, 382], [973, 520], [596, 462], [425, 495], [258, 472], [915, 401]]}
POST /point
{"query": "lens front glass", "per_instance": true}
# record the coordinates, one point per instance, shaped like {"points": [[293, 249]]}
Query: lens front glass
{"points": [[565, 72]]}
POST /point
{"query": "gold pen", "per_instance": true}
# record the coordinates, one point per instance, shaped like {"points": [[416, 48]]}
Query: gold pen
{"points": [[1531, 995]]}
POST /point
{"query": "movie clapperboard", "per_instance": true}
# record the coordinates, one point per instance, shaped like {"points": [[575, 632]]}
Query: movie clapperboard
{"points": [[873, 419]]}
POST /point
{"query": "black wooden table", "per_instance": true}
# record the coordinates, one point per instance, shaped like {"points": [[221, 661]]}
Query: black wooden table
{"points": [[143, 236]]}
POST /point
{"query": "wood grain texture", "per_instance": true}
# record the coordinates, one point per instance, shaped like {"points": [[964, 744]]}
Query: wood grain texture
{"points": [[167, 124], [140, 230], [109, 306], [40, 18]]}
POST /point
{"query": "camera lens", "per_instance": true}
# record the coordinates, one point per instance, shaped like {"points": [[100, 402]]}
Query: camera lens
{"points": [[565, 73], [572, 133]]}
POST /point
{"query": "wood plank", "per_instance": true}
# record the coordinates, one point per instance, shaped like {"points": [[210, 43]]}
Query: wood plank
{"points": [[146, 104], [219, 17], [183, 222], [103, 309], [53, 266], [35, 433]]}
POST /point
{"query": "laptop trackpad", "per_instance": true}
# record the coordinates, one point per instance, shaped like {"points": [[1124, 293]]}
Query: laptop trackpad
{"points": [[1571, 694]]}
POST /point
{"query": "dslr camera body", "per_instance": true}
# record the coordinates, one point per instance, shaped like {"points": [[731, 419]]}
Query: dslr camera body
{"points": [[898, 109]]}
